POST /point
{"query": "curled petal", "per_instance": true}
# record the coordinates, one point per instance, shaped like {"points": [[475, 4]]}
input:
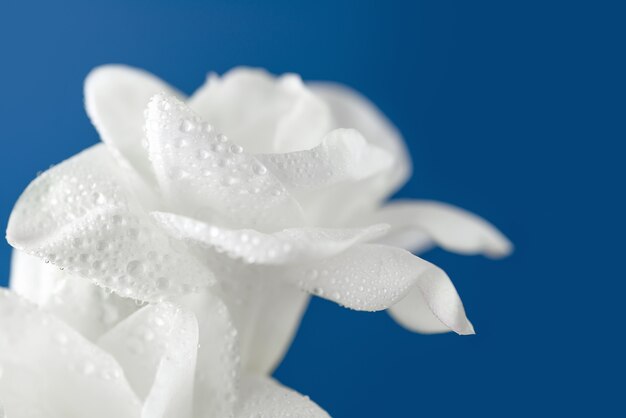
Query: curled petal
{"points": [[452, 228], [157, 348], [115, 99], [289, 246], [262, 112], [84, 306], [83, 215], [374, 277], [264, 397], [207, 172], [414, 311], [343, 155], [51, 370]]}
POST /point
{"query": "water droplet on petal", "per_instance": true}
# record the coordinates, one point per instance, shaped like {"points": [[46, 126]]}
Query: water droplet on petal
{"points": [[260, 169], [187, 126], [98, 198], [236, 149], [135, 268]]}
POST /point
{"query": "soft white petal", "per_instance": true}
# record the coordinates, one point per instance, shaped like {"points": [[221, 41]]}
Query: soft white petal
{"points": [[413, 312], [50, 370], [87, 308], [209, 177], [264, 397], [452, 228], [352, 110], [266, 312], [115, 99], [84, 215], [343, 155], [289, 246], [217, 369], [261, 112], [157, 348], [374, 277]]}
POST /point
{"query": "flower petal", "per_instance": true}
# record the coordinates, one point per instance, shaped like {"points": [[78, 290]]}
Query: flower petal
{"points": [[352, 110], [261, 112], [115, 99], [217, 369], [374, 277], [87, 308], [452, 228], [83, 215], [343, 155], [199, 169], [52, 370], [264, 397], [413, 313], [157, 348], [266, 312], [289, 246]]}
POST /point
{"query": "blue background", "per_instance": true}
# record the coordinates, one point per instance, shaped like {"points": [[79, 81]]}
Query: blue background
{"points": [[514, 110]]}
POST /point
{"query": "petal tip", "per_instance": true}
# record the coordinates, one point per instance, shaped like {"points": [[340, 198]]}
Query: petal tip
{"points": [[500, 248], [466, 329]]}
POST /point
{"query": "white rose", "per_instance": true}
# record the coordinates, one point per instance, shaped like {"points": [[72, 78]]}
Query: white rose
{"points": [[174, 359], [291, 200]]}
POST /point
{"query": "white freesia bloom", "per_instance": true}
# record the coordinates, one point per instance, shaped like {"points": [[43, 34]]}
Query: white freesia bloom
{"points": [[257, 191], [81, 354]]}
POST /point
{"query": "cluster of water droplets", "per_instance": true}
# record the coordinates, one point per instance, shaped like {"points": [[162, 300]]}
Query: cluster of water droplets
{"points": [[80, 217], [364, 278], [199, 167]]}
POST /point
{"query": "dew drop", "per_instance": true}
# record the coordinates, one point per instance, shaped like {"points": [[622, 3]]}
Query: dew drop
{"points": [[187, 126], [98, 198], [236, 149], [202, 154], [318, 291], [260, 169], [182, 142], [207, 127], [135, 268]]}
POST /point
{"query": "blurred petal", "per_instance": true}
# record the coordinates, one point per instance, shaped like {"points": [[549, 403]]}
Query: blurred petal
{"points": [[289, 246], [86, 307], [261, 112], [263, 397], [452, 228], [375, 277], [51, 370], [352, 110], [157, 348], [267, 313], [204, 171], [83, 215], [343, 155], [115, 99], [217, 369]]}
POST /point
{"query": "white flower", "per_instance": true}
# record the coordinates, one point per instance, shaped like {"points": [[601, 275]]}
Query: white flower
{"points": [[256, 187], [175, 359]]}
